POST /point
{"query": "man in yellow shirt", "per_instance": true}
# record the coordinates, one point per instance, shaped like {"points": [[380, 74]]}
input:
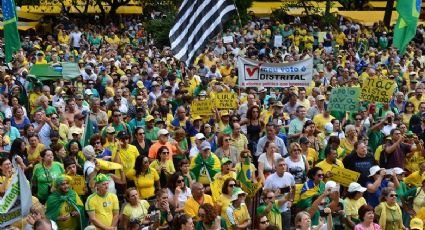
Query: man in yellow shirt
{"points": [[416, 100], [330, 161], [415, 178], [198, 198], [102, 206], [321, 119], [127, 152]]}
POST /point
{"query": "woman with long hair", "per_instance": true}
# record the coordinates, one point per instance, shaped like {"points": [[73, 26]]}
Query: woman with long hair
{"points": [[225, 196], [303, 221], [209, 219], [163, 165], [145, 178], [135, 212], [183, 222], [59, 152], [409, 110], [254, 127], [18, 152], [141, 142], [178, 192], [309, 131], [297, 164], [34, 148], [388, 212], [267, 160], [225, 149], [19, 120], [97, 141], [45, 173]]}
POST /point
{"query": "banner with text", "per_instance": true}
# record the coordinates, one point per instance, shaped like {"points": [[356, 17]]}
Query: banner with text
{"points": [[257, 74], [343, 176], [202, 107], [344, 99], [226, 100], [378, 90], [16, 202]]}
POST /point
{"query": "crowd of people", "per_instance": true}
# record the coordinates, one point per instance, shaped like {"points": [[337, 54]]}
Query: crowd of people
{"points": [[148, 162]]}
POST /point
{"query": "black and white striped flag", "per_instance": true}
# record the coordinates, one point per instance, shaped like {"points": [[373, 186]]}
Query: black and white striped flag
{"points": [[196, 23]]}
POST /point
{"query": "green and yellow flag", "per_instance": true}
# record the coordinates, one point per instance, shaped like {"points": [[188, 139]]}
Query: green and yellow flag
{"points": [[12, 42], [405, 29]]}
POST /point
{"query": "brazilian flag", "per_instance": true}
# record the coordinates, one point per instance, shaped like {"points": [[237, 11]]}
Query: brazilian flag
{"points": [[245, 177], [12, 42], [405, 29]]}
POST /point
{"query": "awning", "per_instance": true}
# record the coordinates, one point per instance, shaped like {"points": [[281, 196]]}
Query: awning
{"points": [[367, 18], [52, 9], [120, 10], [264, 9], [383, 4], [29, 16], [23, 25]]}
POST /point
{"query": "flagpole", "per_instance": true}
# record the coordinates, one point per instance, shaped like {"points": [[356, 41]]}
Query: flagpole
{"points": [[237, 12]]}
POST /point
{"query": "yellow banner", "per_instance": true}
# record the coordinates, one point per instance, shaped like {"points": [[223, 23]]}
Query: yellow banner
{"points": [[344, 176], [204, 107], [78, 183], [226, 100], [377, 90]]}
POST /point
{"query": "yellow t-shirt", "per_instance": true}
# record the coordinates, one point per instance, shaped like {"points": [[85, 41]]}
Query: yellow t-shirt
{"points": [[169, 166], [36, 154], [236, 216], [65, 210], [103, 207], [138, 213], [145, 184], [351, 207], [346, 145], [321, 121], [128, 158], [416, 102], [412, 163], [326, 167], [191, 206], [312, 156]]}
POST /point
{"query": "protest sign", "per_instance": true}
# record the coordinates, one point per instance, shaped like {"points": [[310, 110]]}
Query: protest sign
{"points": [[16, 202], [202, 107], [78, 183], [278, 41], [226, 100], [343, 176], [377, 90], [276, 75], [344, 99], [227, 39]]}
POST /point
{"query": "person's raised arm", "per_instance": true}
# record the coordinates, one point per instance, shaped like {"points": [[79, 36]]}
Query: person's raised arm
{"points": [[373, 187]]}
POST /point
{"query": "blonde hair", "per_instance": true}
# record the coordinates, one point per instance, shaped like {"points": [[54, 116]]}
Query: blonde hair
{"points": [[299, 217], [292, 146]]}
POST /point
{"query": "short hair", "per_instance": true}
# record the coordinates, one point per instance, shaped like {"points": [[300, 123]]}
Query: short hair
{"points": [[384, 193], [41, 222], [363, 210], [300, 107], [312, 172]]}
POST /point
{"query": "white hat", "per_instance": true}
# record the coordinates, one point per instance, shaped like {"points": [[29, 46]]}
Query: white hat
{"points": [[205, 145], [163, 132], [331, 185], [356, 187], [262, 90], [329, 128], [320, 97], [374, 169], [398, 170], [88, 92], [279, 122], [199, 136], [412, 73], [202, 93]]}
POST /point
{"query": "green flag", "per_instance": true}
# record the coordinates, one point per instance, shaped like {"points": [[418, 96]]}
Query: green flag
{"points": [[88, 130], [407, 21], [12, 42]]}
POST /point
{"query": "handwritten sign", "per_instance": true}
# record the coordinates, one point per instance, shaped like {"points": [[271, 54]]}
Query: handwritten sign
{"points": [[226, 101], [227, 39], [377, 90], [344, 176], [344, 99], [78, 183], [202, 107]]}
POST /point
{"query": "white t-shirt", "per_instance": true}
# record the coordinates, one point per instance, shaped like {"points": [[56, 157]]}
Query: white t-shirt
{"points": [[274, 181], [87, 169], [267, 164], [297, 169], [183, 196], [76, 37]]}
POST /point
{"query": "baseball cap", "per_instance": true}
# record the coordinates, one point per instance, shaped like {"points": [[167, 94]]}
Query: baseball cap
{"points": [[89, 152], [199, 136], [320, 97], [140, 85], [304, 140], [225, 160], [356, 187], [163, 132], [205, 145], [398, 170], [416, 223], [88, 92], [331, 185], [123, 135], [110, 129], [149, 118], [236, 192]]}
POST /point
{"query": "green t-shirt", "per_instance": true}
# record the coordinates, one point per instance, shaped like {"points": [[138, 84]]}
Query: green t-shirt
{"points": [[375, 139], [44, 178], [49, 110], [152, 134]]}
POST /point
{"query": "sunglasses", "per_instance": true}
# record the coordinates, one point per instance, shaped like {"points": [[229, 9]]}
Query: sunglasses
{"points": [[117, 115], [179, 181], [97, 143], [269, 198], [141, 133], [166, 153], [227, 139], [232, 185], [264, 222], [393, 195], [320, 175]]}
